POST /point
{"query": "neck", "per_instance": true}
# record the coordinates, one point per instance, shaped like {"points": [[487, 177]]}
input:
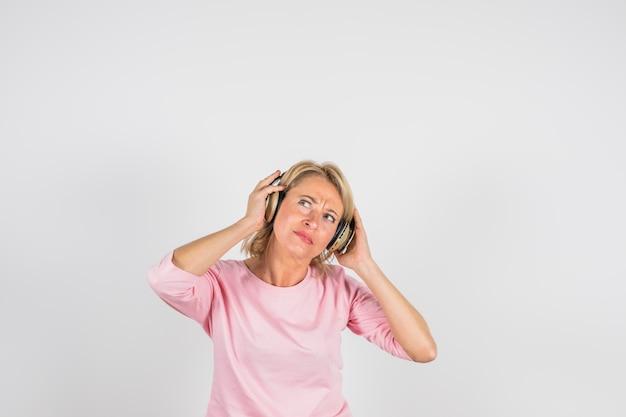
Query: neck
{"points": [[279, 274]]}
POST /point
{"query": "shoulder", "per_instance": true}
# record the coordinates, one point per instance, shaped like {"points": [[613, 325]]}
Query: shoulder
{"points": [[337, 276], [227, 268], [332, 272], [230, 264]]}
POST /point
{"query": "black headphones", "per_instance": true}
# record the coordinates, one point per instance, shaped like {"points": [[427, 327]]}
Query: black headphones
{"points": [[342, 237]]}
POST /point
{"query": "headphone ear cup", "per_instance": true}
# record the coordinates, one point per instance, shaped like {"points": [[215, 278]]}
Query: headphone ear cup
{"points": [[272, 203], [342, 238]]}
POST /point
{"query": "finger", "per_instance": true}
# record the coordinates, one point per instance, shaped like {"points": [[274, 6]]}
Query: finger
{"points": [[357, 218], [274, 186], [272, 177]]}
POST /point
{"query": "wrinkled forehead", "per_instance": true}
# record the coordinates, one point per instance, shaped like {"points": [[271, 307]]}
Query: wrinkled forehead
{"points": [[320, 189]]}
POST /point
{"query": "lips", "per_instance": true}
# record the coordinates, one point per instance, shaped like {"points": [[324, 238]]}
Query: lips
{"points": [[304, 237]]}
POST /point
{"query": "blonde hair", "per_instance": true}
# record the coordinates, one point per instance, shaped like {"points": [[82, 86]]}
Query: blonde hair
{"points": [[256, 244]]}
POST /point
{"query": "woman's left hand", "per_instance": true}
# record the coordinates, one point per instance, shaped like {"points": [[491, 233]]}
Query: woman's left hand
{"points": [[358, 251]]}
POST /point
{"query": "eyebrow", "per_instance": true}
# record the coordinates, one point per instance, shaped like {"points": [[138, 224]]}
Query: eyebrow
{"points": [[316, 202]]}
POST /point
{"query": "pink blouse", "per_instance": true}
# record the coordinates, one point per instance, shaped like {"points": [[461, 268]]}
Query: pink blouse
{"points": [[276, 349]]}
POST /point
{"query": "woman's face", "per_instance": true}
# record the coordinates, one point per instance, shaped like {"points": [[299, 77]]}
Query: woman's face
{"points": [[308, 217]]}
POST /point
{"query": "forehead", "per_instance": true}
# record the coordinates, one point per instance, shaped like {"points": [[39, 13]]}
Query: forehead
{"points": [[321, 190]]}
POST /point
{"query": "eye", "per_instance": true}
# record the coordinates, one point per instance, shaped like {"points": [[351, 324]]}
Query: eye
{"points": [[330, 218], [305, 203]]}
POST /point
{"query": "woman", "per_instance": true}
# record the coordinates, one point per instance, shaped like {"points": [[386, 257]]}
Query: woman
{"points": [[276, 318]]}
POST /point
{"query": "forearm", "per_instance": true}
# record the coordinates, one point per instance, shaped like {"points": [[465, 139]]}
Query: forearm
{"points": [[407, 324], [198, 256]]}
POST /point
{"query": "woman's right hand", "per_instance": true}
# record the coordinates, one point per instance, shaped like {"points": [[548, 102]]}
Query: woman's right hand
{"points": [[198, 256], [255, 211]]}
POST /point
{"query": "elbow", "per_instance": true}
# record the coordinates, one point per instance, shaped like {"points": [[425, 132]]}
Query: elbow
{"points": [[428, 357], [424, 355]]}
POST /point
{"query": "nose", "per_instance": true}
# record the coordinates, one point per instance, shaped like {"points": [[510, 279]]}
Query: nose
{"points": [[311, 221]]}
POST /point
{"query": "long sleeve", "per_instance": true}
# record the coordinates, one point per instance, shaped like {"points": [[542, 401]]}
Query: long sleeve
{"points": [[367, 319], [185, 292]]}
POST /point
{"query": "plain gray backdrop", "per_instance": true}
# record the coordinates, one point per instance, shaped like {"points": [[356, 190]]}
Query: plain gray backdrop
{"points": [[484, 141]]}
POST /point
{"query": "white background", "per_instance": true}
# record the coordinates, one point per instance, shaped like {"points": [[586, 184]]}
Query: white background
{"points": [[484, 140]]}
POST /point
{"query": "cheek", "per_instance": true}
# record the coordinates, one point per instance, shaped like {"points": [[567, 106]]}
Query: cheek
{"points": [[280, 224], [329, 232]]}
